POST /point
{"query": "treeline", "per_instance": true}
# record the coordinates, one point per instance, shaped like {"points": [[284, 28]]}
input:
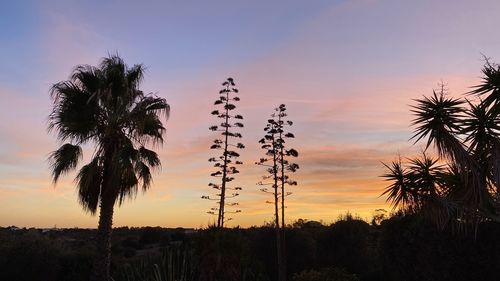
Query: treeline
{"points": [[400, 248]]}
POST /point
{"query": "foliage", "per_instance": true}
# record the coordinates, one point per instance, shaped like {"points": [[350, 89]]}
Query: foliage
{"points": [[346, 244], [175, 264], [103, 105], [30, 255], [412, 248], [226, 255], [225, 163], [328, 274], [403, 247], [461, 184], [31, 251]]}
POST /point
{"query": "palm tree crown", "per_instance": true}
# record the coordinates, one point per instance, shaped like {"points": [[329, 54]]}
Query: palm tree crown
{"points": [[103, 106]]}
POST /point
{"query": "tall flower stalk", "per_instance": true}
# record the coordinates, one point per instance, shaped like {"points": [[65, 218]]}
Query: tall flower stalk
{"points": [[226, 162], [278, 167]]}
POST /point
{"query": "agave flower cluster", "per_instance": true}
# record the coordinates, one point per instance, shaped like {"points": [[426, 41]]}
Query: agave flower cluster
{"points": [[226, 162], [278, 168], [277, 162]]}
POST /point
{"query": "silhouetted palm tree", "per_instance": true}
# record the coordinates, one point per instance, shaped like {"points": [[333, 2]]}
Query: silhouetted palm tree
{"points": [[467, 140], [483, 121], [103, 106], [416, 185]]}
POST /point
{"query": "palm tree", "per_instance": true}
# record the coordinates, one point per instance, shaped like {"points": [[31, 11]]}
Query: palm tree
{"points": [[416, 185], [467, 140], [483, 122], [103, 106]]}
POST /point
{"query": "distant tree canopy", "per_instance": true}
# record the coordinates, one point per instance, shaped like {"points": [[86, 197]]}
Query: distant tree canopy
{"points": [[406, 248]]}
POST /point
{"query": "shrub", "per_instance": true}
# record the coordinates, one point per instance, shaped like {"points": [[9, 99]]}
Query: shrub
{"points": [[327, 274]]}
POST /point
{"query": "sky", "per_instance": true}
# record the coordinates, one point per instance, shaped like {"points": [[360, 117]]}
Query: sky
{"points": [[348, 72]]}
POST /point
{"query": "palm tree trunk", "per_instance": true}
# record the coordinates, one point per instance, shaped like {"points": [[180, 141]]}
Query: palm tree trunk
{"points": [[102, 260]]}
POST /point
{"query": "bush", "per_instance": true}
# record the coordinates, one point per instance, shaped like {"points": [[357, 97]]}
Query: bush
{"points": [[327, 274], [29, 256], [175, 264]]}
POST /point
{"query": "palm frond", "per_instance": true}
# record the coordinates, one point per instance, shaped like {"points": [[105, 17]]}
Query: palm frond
{"points": [[480, 128], [150, 157], [144, 174], [149, 129], [490, 87], [150, 104], [135, 75], [426, 175], [87, 77], [128, 182], [75, 115], [89, 182], [64, 159], [437, 118], [399, 191]]}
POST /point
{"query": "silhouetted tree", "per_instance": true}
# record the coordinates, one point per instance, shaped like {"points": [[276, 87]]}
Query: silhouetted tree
{"points": [[417, 186], [466, 137], [226, 162], [278, 166], [103, 106], [378, 216]]}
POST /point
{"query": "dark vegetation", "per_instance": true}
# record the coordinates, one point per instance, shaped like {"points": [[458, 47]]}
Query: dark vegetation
{"points": [[460, 185], [400, 248]]}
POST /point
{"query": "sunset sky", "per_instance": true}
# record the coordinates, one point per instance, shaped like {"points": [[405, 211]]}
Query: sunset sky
{"points": [[347, 71]]}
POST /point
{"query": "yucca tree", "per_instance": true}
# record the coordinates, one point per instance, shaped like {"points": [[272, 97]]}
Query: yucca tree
{"points": [[483, 123], [103, 107], [419, 185], [466, 136]]}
